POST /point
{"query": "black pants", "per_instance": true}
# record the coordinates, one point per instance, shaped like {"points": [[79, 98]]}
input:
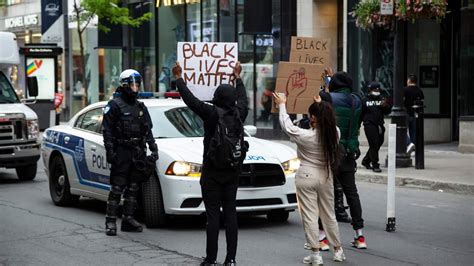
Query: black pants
{"points": [[346, 177], [215, 196], [375, 134]]}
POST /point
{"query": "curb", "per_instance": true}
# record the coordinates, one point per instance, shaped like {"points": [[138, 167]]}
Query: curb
{"points": [[402, 181]]}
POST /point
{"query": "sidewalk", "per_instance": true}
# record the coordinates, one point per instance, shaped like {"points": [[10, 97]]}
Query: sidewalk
{"points": [[446, 170]]}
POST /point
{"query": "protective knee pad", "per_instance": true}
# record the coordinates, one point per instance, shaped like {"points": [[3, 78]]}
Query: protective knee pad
{"points": [[131, 191], [115, 193]]}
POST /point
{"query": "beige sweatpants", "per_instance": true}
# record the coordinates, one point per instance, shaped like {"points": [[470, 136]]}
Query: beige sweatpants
{"points": [[315, 194]]}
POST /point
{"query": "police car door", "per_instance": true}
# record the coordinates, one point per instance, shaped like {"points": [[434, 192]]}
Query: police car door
{"points": [[95, 171]]}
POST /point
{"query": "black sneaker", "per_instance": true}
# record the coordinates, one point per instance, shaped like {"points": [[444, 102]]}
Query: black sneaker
{"points": [[230, 263], [129, 224], [205, 262], [110, 226], [366, 164], [377, 169]]}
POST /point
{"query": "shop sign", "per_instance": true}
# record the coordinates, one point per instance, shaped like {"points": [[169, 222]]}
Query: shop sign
{"points": [[207, 65], [386, 7], [264, 41], [21, 21], [175, 2]]}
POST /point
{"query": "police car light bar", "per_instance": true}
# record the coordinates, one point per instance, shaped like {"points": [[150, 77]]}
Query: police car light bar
{"points": [[149, 94]]}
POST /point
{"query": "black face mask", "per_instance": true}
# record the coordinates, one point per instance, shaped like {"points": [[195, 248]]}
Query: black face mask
{"points": [[128, 94]]}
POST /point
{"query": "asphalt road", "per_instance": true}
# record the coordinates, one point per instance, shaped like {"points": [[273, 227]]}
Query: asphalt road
{"points": [[433, 228]]}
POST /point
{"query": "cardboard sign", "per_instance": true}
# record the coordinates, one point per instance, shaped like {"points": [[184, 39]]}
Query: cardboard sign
{"points": [[310, 50], [299, 82], [207, 65]]}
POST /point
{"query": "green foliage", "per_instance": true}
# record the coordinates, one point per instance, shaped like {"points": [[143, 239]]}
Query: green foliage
{"points": [[110, 11], [367, 12]]}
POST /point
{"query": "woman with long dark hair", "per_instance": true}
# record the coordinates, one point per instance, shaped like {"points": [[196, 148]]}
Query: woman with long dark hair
{"points": [[317, 150]]}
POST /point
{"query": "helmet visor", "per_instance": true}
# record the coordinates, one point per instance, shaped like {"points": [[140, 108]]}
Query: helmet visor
{"points": [[135, 83]]}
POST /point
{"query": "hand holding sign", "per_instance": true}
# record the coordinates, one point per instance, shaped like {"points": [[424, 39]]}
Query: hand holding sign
{"points": [[279, 98], [177, 71], [237, 70]]}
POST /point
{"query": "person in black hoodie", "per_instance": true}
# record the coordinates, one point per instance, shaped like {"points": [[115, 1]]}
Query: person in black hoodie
{"points": [[218, 186], [373, 110]]}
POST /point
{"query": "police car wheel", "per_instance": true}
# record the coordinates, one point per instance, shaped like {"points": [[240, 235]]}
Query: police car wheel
{"points": [[152, 200], [278, 216], [26, 172], [59, 188]]}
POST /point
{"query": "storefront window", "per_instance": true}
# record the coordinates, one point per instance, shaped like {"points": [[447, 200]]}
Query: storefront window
{"points": [[370, 57], [259, 96], [193, 13], [423, 60], [227, 20], [143, 46], [209, 21], [171, 31], [112, 67], [466, 61]]}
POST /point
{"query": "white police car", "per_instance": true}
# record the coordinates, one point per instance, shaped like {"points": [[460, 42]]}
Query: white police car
{"points": [[74, 158]]}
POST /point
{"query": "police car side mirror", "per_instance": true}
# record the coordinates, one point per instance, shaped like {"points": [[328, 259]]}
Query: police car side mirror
{"points": [[250, 130]]}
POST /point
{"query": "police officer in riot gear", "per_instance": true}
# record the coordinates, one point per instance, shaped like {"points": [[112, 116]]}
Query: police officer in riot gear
{"points": [[127, 128]]}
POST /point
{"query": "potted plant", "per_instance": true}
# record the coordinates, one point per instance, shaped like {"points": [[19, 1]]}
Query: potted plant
{"points": [[367, 12]]}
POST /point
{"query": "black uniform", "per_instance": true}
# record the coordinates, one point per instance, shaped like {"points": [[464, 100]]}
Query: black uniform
{"points": [[373, 110], [126, 129], [411, 94], [219, 187]]}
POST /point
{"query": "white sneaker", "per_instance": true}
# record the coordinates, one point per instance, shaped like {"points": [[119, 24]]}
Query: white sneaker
{"points": [[314, 259], [339, 255], [410, 148]]}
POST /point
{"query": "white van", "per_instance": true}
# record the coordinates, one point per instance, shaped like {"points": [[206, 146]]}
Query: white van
{"points": [[19, 143]]}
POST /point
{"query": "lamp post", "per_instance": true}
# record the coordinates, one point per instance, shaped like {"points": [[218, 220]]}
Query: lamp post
{"points": [[399, 115]]}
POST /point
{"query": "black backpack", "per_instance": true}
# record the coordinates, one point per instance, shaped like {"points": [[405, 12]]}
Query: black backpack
{"points": [[227, 147]]}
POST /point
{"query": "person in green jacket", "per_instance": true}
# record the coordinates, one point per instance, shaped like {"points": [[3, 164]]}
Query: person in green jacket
{"points": [[348, 109]]}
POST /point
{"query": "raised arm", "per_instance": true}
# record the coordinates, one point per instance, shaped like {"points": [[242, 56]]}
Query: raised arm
{"points": [[242, 101], [202, 109], [286, 124]]}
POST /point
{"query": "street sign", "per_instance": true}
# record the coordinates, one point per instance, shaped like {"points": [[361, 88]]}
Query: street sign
{"points": [[386, 7]]}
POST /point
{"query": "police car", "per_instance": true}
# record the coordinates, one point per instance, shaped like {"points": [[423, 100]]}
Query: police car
{"points": [[75, 162]]}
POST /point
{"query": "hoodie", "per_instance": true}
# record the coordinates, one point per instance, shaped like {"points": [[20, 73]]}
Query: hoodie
{"points": [[342, 98], [227, 97]]}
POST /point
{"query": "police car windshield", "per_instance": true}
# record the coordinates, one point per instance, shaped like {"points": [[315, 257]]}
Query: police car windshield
{"points": [[7, 94], [175, 122]]}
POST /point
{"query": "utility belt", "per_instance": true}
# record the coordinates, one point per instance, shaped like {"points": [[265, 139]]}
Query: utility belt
{"points": [[131, 142]]}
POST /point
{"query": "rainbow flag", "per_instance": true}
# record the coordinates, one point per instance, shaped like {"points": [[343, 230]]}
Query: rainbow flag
{"points": [[33, 66]]}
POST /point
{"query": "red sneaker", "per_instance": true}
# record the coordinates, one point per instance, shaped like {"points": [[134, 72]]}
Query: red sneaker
{"points": [[359, 243]]}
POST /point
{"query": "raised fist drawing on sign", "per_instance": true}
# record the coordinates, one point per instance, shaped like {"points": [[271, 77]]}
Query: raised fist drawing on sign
{"points": [[296, 84]]}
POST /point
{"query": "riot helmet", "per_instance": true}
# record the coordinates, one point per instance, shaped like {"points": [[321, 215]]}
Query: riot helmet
{"points": [[130, 83]]}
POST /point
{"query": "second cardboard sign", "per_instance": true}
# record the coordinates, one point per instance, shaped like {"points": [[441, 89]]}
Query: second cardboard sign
{"points": [[300, 82]]}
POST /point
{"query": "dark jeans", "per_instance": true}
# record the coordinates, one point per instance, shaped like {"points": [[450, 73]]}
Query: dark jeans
{"points": [[346, 177], [411, 130], [375, 136], [216, 196]]}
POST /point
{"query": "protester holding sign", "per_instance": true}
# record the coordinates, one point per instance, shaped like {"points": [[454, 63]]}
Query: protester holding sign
{"points": [[317, 150], [220, 174]]}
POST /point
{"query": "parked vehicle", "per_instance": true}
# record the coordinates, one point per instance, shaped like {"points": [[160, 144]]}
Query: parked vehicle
{"points": [[19, 143]]}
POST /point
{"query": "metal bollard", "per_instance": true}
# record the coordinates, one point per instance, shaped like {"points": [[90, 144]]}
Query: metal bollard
{"points": [[391, 173], [420, 139]]}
